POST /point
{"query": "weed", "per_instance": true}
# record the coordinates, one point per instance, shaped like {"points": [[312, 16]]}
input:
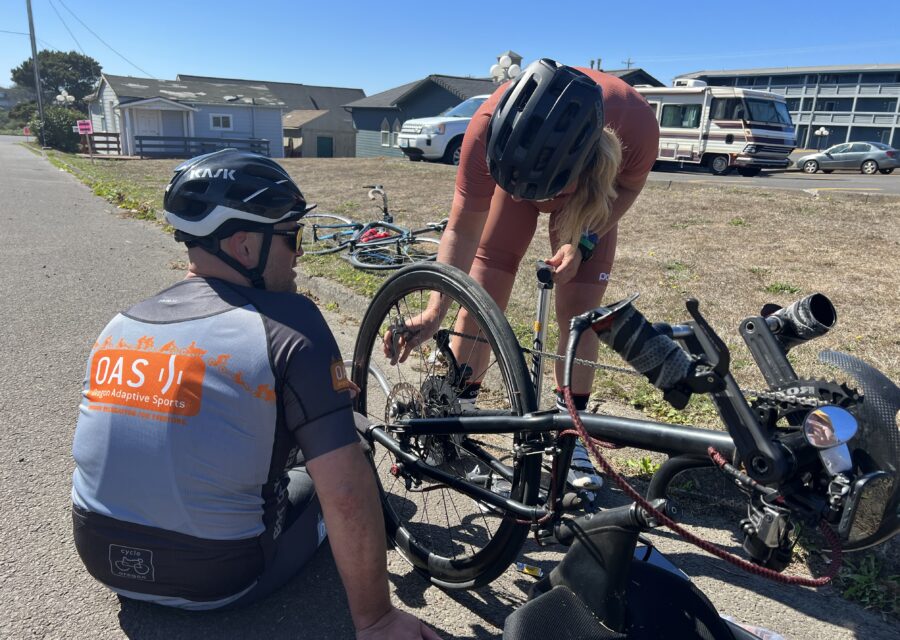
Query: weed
{"points": [[644, 467], [863, 581], [738, 222], [759, 271], [331, 305], [781, 287]]}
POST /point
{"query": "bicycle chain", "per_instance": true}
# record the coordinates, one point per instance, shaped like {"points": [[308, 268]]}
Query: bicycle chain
{"points": [[803, 394]]}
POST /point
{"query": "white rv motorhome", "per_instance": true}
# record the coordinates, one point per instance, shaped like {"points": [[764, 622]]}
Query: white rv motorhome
{"points": [[721, 128]]}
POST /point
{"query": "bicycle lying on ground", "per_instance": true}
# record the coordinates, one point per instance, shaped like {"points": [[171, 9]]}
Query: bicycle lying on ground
{"points": [[461, 491], [377, 245]]}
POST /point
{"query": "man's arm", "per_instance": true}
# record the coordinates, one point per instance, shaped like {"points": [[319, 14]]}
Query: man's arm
{"points": [[350, 503]]}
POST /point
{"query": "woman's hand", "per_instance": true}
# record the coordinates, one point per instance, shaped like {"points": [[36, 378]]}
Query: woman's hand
{"points": [[566, 260], [398, 344]]}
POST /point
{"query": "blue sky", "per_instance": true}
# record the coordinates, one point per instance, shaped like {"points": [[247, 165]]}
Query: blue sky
{"points": [[375, 46]]}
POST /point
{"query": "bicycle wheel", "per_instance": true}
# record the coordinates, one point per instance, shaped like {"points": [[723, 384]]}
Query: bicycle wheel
{"points": [[394, 254], [326, 233], [445, 534]]}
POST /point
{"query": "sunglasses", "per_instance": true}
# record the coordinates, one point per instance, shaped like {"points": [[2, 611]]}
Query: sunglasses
{"points": [[294, 237]]}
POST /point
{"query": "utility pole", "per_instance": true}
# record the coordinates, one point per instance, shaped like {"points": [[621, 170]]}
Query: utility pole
{"points": [[37, 73], [628, 62]]}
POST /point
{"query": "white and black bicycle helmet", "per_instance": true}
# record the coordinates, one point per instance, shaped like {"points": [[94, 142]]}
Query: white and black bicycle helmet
{"points": [[214, 196], [545, 130]]}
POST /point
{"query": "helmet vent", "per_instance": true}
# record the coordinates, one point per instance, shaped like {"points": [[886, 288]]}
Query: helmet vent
{"points": [[560, 180], [525, 94], [579, 141], [530, 192], [543, 159], [531, 131], [565, 120]]}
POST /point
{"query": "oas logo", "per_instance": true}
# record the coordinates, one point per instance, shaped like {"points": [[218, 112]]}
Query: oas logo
{"points": [[339, 379]]}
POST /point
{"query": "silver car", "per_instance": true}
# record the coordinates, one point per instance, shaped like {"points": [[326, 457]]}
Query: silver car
{"points": [[867, 157]]}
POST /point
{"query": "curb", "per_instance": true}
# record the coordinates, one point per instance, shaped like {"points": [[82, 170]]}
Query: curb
{"points": [[349, 303]]}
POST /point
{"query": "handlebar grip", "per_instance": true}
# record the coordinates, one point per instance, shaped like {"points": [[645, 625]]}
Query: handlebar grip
{"points": [[647, 349]]}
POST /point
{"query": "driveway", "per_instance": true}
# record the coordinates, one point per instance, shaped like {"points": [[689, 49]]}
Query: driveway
{"points": [[70, 262]]}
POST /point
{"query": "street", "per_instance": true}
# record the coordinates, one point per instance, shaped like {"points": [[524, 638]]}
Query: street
{"points": [[70, 262]]}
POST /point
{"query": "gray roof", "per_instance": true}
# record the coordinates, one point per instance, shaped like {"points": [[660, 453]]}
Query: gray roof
{"points": [[791, 70], [462, 88], [130, 89], [296, 96], [636, 73]]}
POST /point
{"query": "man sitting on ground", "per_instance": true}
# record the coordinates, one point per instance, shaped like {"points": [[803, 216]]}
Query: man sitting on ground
{"points": [[201, 402]]}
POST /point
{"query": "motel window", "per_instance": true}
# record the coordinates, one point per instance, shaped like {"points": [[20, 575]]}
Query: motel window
{"points": [[220, 122], [683, 116], [385, 133], [834, 104], [879, 78], [793, 104], [877, 105], [789, 80]]}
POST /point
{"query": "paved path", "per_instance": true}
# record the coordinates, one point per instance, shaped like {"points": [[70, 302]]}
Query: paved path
{"points": [[69, 262]]}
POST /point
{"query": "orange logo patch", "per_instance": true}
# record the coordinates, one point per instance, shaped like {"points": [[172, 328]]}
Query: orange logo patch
{"points": [[339, 379], [148, 380]]}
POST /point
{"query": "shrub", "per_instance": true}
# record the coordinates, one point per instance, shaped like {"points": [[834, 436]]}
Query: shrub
{"points": [[58, 123]]}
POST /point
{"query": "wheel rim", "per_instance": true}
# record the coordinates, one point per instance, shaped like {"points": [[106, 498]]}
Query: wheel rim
{"points": [[394, 255], [810, 167], [869, 167], [720, 164], [456, 154], [440, 531]]}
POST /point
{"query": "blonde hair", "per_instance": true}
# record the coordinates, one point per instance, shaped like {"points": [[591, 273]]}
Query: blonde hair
{"points": [[590, 205]]}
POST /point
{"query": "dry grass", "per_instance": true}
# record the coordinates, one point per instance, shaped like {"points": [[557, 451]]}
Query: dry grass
{"points": [[734, 249]]}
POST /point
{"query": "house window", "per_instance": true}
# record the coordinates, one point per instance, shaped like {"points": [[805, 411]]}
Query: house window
{"points": [[682, 116], [219, 122], [385, 133], [395, 134]]}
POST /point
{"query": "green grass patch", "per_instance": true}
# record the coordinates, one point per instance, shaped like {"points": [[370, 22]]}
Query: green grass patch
{"points": [[781, 287]]}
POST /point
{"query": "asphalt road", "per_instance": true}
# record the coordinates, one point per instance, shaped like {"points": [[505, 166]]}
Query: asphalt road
{"points": [[845, 182], [69, 263]]}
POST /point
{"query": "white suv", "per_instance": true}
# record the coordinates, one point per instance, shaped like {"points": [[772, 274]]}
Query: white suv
{"points": [[439, 137]]}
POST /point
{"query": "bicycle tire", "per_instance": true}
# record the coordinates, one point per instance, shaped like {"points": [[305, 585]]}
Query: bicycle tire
{"points": [[320, 236], [480, 544], [394, 253]]}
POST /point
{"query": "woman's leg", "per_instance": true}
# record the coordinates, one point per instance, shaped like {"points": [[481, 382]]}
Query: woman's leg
{"points": [[507, 233], [585, 291]]}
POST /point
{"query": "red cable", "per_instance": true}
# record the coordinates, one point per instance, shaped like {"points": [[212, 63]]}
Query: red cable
{"points": [[829, 534]]}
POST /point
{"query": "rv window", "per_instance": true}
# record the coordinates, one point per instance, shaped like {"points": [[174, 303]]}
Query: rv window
{"points": [[682, 116], [727, 109], [768, 111]]}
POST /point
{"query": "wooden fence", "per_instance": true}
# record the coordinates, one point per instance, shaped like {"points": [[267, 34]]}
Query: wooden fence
{"points": [[182, 147]]}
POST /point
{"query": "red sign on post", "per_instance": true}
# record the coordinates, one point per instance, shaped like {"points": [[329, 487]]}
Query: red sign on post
{"points": [[85, 127], [26, 131]]}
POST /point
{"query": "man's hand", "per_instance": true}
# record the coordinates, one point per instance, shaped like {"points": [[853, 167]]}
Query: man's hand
{"points": [[566, 260], [397, 625], [397, 345]]}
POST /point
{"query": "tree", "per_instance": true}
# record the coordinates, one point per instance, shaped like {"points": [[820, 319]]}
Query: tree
{"points": [[58, 123], [76, 73], [23, 112]]}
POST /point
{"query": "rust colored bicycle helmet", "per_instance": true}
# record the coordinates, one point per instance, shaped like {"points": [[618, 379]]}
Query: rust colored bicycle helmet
{"points": [[545, 130]]}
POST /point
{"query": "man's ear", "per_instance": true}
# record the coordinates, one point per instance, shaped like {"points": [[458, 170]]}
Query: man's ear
{"points": [[241, 247]]}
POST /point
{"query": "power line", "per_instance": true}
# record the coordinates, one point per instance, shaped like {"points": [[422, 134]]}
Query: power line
{"points": [[56, 11], [22, 33], [146, 73], [58, 15]]}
